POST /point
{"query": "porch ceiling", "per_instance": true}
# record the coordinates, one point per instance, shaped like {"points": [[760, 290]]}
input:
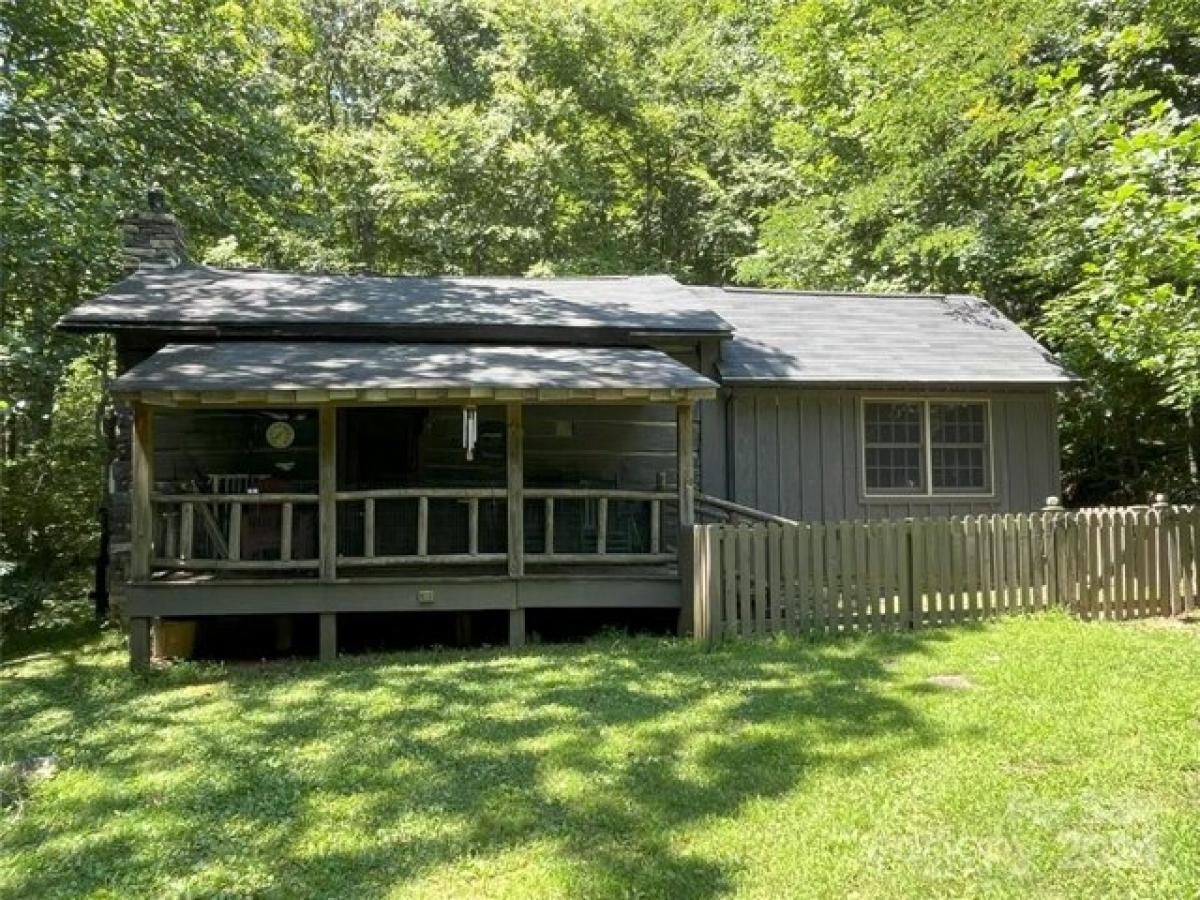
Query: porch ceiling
{"points": [[271, 372]]}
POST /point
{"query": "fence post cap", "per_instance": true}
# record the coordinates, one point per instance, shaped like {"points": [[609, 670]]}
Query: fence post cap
{"points": [[1160, 501], [1053, 504]]}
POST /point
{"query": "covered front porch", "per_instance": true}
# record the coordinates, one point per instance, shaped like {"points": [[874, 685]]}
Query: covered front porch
{"points": [[507, 478]]}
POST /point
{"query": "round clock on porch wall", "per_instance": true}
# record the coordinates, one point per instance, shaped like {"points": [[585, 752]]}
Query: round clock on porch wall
{"points": [[280, 435]]}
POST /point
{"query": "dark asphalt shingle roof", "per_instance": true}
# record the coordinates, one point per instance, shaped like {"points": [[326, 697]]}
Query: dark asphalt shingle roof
{"points": [[819, 338], [198, 295], [318, 365], [778, 336]]}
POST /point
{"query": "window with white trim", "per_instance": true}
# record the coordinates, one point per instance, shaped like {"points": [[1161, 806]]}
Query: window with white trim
{"points": [[926, 447]]}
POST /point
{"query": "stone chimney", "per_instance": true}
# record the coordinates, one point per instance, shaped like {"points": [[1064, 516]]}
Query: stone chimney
{"points": [[154, 239]]}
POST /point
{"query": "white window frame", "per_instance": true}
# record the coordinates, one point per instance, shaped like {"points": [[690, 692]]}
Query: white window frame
{"points": [[927, 446]]}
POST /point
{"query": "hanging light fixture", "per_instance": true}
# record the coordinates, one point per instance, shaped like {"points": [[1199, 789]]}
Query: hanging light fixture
{"points": [[470, 430]]}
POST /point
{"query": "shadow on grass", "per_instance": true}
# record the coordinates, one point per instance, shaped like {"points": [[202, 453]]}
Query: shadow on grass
{"points": [[364, 775], [15, 649]]}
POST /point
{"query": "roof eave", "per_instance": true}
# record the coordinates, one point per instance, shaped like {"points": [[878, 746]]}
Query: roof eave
{"points": [[900, 384], [358, 331]]}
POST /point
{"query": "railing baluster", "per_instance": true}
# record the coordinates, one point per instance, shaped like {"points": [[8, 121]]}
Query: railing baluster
{"points": [[187, 530], [473, 526], [368, 527], [549, 526], [602, 525], [422, 526], [285, 532], [235, 531], [655, 525]]}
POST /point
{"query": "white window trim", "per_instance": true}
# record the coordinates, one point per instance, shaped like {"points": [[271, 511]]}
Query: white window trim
{"points": [[927, 443]]}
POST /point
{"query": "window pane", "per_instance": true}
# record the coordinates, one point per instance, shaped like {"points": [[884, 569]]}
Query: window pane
{"points": [[959, 452], [957, 423], [894, 469], [959, 469], [893, 451], [892, 423]]}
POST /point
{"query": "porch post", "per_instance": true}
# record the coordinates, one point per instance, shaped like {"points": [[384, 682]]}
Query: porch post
{"points": [[686, 462], [141, 486], [516, 490], [139, 643], [684, 421], [516, 627], [326, 488], [327, 640]]}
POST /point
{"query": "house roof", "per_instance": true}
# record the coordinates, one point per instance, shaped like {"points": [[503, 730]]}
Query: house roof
{"points": [[843, 339], [273, 371], [197, 296], [777, 336]]}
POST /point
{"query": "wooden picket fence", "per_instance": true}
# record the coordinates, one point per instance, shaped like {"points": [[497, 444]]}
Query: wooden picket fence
{"points": [[1120, 563]]}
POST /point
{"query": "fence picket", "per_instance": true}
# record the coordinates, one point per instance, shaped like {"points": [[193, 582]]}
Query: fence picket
{"points": [[1012, 560], [799, 586], [775, 566], [875, 547], [1024, 560], [787, 587], [953, 570], [1000, 581], [1162, 534], [820, 578], [1116, 563], [920, 547], [1128, 560], [1142, 563], [1037, 561], [933, 573], [904, 593], [970, 570], [862, 580], [986, 565], [1187, 559], [845, 563], [745, 570], [760, 579], [887, 575], [729, 623]]}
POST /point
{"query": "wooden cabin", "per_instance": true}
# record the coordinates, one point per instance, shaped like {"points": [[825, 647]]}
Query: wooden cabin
{"points": [[307, 444]]}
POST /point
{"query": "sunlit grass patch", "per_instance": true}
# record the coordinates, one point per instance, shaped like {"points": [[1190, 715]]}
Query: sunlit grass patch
{"points": [[1066, 765]]}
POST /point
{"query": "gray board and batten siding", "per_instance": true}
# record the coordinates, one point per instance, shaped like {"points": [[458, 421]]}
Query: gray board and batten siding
{"points": [[798, 453]]}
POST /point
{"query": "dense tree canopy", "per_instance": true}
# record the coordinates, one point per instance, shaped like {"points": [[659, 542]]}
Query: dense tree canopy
{"points": [[1042, 153]]}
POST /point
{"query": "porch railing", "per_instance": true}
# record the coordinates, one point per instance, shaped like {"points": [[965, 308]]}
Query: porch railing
{"points": [[597, 503], [263, 532], [204, 532], [421, 497]]}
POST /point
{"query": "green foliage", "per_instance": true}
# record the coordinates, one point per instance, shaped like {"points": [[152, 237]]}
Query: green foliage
{"points": [[638, 768]]}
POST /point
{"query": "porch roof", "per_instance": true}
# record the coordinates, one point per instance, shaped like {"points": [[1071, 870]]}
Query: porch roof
{"points": [[284, 372]]}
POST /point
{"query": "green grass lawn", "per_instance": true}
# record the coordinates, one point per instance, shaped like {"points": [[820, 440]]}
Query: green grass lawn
{"points": [[1063, 760]]}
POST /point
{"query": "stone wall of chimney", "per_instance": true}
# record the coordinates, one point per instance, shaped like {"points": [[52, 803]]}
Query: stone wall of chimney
{"points": [[154, 240]]}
